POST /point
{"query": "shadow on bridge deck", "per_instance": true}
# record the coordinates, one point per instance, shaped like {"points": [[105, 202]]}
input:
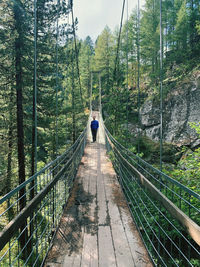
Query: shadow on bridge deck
{"points": [[96, 228]]}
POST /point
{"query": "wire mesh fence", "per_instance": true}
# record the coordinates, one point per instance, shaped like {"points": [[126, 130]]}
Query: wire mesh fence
{"points": [[164, 210], [27, 233]]}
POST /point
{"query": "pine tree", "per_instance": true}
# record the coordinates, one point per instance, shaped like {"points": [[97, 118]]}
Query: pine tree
{"points": [[150, 36], [104, 58], [86, 53], [181, 29], [7, 97]]}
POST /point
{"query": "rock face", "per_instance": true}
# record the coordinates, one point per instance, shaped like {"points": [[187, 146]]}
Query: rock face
{"points": [[181, 106]]}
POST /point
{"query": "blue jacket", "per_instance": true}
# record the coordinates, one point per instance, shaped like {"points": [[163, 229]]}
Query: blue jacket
{"points": [[94, 124]]}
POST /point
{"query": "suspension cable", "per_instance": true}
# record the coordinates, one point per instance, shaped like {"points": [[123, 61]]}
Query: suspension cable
{"points": [[57, 34], [127, 37], [118, 43], [91, 85], [35, 84], [67, 71], [161, 87], [34, 170], [76, 53], [73, 99], [100, 108], [161, 103], [138, 68]]}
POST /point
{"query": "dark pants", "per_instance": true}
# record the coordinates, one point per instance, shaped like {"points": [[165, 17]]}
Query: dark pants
{"points": [[94, 134]]}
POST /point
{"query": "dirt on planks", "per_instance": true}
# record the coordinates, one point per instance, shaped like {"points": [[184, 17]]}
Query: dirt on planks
{"points": [[74, 222]]}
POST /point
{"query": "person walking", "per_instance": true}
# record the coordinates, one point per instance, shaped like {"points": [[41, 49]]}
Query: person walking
{"points": [[94, 127]]}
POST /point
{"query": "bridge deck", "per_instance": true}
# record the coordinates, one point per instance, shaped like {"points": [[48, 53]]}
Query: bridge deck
{"points": [[96, 228]]}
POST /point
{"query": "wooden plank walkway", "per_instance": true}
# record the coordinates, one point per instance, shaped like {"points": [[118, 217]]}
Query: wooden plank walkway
{"points": [[96, 228]]}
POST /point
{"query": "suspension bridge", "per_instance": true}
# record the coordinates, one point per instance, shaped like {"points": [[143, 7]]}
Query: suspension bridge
{"points": [[98, 204], [87, 213], [96, 229]]}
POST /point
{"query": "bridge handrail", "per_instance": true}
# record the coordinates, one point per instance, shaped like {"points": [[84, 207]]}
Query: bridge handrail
{"points": [[188, 190], [7, 232], [19, 187], [28, 233], [192, 228], [160, 221]]}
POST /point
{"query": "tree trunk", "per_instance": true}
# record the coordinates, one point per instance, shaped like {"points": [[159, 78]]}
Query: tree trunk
{"points": [[20, 125], [10, 149]]}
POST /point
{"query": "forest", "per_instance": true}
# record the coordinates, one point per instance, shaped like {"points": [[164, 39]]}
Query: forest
{"points": [[67, 67], [51, 79]]}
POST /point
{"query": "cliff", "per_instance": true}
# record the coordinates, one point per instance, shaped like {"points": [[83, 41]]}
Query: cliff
{"points": [[180, 107]]}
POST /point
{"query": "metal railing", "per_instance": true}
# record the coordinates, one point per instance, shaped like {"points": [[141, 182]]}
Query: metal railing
{"points": [[28, 233], [166, 212]]}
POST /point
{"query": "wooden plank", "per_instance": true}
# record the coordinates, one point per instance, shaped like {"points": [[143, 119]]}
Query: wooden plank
{"points": [[101, 197], [120, 244], [73, 260], [53, 264], [123, 253], [122, 250], [106, 250], [139, 254], [90, 251], [92, 213], [102, 208], [128, 245], [107, 256], [85, 175]]}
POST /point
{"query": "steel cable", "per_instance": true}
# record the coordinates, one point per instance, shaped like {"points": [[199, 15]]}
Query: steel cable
{"points": [[76, 53], [118, 43]]}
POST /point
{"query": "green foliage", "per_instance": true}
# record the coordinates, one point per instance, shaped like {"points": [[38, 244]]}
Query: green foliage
{"points": [[195, 126], [198, 27], [104, 58], [85, 64], [181, 27], [187, 171], [150, 150], [150, 35], [50, 78]]}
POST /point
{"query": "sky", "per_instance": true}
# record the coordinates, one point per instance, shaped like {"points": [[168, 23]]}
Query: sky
{"points": [[94, 15]]}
